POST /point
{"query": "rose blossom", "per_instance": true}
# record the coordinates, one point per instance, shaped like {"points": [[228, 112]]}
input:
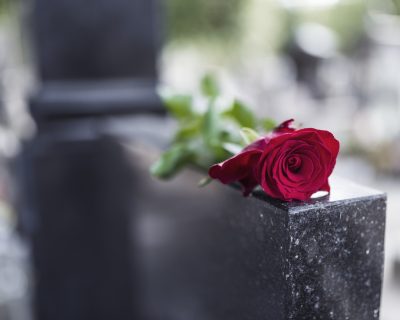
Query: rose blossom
{"points": [[289, 164]]}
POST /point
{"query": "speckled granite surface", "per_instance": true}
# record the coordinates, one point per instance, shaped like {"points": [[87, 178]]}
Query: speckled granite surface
{"points": [[334, 254], [335, 261], [218, 255]]}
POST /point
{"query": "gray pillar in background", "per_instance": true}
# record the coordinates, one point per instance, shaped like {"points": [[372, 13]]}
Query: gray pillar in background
{"points": [[95, 59], [82, 203]]}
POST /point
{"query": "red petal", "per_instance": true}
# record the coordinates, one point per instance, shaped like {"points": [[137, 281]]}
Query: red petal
{"points": [[248, 184], [284, 127], [325, 187], [237, 168]]}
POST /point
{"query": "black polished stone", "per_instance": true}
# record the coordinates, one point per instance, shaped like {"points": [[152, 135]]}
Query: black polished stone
{"points": [[334, 254], [212, 254]]}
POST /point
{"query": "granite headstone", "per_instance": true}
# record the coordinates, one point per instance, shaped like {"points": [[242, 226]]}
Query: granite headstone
{"points": [[212, 254]]}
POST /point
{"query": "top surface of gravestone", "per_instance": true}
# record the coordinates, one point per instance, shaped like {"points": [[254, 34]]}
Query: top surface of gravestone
{"points": [[342, 191]]}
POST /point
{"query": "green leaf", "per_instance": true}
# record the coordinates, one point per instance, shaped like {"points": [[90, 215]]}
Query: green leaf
{"points": [[205, 181], [206, 136], [268, 124], [210, 126], [172, 161], [232, 148], [249, 135], [220, 153], [209, 86], [180, 106], [189, 130], [242, 114]]}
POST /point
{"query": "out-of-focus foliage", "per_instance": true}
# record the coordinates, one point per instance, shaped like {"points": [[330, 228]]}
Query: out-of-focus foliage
{"points": [[264, 26], [8, 9], [210, 129], [396, 4], [3, 3], [386, 6], [341, 53], [260, 24], [193, 19], [346, 19]]}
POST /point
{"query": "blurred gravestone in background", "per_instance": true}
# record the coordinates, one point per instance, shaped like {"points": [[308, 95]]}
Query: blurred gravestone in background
{"points": [[95, 57], [95, 39]]}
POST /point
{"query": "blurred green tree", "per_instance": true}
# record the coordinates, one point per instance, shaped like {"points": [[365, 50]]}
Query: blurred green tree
{"points": [[212, 19], [396, 4]]}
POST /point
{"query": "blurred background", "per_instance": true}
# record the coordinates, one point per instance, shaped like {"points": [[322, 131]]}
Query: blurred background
{"points": [[332, 64]]}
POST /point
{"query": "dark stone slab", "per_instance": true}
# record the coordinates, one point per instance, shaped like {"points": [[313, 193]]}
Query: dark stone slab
{"points": [[212, 254], [334, 255]]}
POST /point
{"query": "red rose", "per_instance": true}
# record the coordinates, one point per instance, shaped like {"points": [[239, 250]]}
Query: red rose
{"points": [[289, 164]]}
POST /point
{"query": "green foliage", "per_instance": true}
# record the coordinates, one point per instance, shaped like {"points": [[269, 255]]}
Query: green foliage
{"points": [[172, 161], [242, 115], [345, 19], [268, 124], [396, 5], [209, 136], [188, 130], [385, 6], [210, 128], [4, 7], [209, 86], [180, 106], [191, 19], [205, 181], [249, 135]]}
